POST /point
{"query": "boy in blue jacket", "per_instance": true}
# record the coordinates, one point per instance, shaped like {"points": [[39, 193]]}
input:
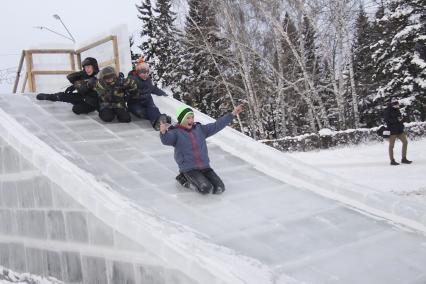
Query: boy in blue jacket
{"points": [[191, 154]]}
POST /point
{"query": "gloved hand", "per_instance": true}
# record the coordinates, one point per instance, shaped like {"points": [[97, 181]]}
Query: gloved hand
{"points": [[91, 83], [69, 90]]}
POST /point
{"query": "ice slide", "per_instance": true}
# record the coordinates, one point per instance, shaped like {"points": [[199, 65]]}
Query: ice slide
{"points": [[92, 202]]}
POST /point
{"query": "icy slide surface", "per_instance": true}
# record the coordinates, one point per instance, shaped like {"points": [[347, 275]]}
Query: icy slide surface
{"points": [[282, 229]]}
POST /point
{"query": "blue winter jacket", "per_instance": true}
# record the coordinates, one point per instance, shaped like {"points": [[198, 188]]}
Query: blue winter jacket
{"points": [[190, 144]]}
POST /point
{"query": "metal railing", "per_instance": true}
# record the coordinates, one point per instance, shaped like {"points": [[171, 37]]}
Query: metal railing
{"points": [[28, 57]]}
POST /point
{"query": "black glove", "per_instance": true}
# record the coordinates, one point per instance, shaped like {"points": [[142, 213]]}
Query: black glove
{"points": [[69, 90], [91, 83]]}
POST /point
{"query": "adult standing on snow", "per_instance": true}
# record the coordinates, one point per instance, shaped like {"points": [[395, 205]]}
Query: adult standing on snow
{"points": [[393, 120], [85, 99], [189, 140], [142, 104]]}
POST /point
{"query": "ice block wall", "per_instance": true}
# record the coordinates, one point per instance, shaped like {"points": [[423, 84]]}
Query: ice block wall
{"points": [[44, 231]]}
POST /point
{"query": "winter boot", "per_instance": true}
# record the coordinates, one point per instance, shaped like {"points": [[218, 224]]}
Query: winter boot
{"points": [[182, 180], [49, 97], [394, 163], [405, 161]]}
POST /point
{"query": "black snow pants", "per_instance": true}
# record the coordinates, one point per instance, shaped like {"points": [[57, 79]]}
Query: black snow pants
{"points": [[108, 114], [82, 104], [205, 181]]}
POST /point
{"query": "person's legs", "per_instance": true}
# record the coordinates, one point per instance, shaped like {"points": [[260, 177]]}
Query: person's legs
{"points": [[152, 111], [201, 183], [215, 180], [50, 97], [138, 110], [122, 115], [83, 108], [403, 138], [107, 114], [404, 141], [392, 139]]}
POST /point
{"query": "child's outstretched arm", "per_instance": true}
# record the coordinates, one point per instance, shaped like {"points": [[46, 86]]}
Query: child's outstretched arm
{"points": [[213, 128], [167, 137]]}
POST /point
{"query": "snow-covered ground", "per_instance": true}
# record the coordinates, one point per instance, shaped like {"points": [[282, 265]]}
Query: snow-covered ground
{"points": [[8, 276], [368, 165]]}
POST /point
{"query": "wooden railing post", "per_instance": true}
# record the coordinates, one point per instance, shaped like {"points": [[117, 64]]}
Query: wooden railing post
{"points": [[116, 56], [79, 61], [18, 72], [29, 66], [72, 61]]}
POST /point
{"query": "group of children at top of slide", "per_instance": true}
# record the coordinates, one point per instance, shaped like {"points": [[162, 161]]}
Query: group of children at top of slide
{"points": [[115, 96]]}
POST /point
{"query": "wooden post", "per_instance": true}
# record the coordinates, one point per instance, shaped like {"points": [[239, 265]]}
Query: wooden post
{"points": [[29, 66], [72, 61], [79, 61], [24, 83], [18, 72], [115, 49]]}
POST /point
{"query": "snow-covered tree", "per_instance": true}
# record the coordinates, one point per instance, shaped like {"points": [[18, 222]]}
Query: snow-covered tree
{"points": [[134, 56], [167, 47], [201, 84], [148, 46], [364, 70], [400, 55]]}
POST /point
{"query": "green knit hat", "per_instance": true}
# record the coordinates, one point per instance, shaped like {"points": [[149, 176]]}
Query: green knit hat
{"points": [[182, 112]]}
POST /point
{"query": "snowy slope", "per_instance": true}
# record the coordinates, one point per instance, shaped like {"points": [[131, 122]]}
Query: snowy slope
{"points": [[278, 217], [368, 166]]}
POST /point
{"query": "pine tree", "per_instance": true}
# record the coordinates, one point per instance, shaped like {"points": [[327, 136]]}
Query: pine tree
{"points": [[200, 84], [296, 115], [148, 46], [400, 57], [166, 42], [134, 56], [363, 68]]}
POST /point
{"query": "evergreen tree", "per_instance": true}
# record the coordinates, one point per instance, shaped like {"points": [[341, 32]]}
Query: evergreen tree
{"points": [[400, 58], [364, 69], [200, 82], [148, 46], [166, 42], [374, 102], [134, 56], [296, 115]]}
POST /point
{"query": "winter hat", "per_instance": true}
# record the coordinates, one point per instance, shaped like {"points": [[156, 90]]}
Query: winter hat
{"points": [[107, 73], [182, 113], [142, 67], [91, 61]]}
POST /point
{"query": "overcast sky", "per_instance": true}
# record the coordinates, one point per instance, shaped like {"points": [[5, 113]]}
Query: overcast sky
{"points": [[84, 18]]}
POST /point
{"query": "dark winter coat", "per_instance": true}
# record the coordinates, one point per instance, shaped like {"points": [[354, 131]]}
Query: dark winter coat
{"points": [[190, 144], [145, 88], [113, 96], [393, 120]]}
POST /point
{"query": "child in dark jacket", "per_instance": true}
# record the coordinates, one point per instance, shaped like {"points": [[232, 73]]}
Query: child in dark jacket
{"points": [[80, 93], [142, 105], [191, 155]]}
